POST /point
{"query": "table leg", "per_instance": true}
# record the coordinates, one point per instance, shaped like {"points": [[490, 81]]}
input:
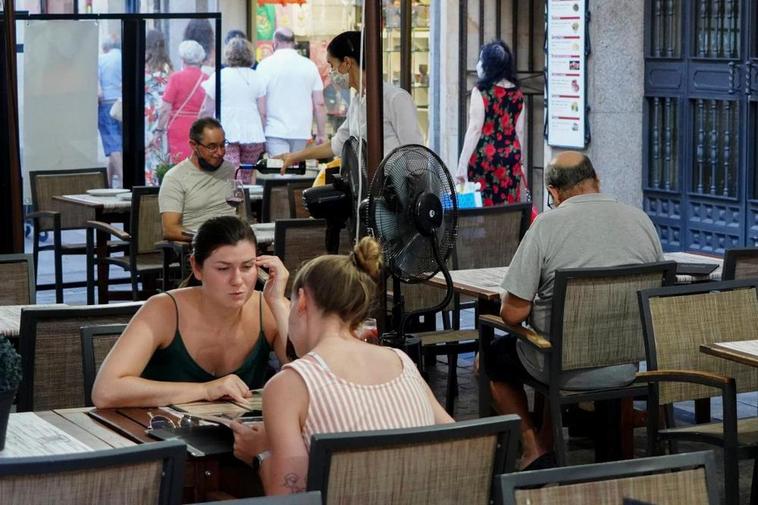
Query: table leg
{"points": [[102, 267], [486, 336]]}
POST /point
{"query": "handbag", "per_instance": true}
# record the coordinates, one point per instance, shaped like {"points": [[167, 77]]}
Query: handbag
{"points": [[117, 111]]}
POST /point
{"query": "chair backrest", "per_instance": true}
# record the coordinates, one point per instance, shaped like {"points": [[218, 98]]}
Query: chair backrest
{"points": [[595, 318], [51, 352], [45, 184], [17, 273], [311, 498], [740, 263], [488, 237], [677, 320], [679, 478], [97, 342], [146, 229], [148, 473], [298, 210], [297, 241], [276, 200], [447, 463]]}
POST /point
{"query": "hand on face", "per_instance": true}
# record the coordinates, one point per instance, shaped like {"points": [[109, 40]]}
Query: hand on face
{"points": [[274, 291], [249, 440]]}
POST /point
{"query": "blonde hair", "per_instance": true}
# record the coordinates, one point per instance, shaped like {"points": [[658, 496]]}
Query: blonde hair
{"points": [[344, 285]]}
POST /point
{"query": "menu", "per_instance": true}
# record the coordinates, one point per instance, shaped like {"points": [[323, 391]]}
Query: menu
{"points": [[566, 70], [30, 435]]}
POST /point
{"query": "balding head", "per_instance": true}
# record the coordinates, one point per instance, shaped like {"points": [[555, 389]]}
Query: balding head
{"points": [[569, 169], [283, 37]]}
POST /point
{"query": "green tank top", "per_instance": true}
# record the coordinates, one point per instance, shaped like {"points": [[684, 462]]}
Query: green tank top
{"points": [[174, 363]]}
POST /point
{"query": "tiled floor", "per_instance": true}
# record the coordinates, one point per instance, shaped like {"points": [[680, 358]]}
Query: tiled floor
{"points": [[580, 450]]}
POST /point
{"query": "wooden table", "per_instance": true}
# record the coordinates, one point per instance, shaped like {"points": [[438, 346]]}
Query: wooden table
{"points": [[108, 209], [10, 318], [745, 352], [684, 258], [209, 477]]}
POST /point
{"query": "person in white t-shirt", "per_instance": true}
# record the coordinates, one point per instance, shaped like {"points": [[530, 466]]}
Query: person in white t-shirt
{"points": [[400, 124], [243, 105], [294, 94]]}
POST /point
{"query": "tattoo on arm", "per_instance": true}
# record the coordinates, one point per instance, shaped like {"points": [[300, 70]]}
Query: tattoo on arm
{"points": [[292, 482]]}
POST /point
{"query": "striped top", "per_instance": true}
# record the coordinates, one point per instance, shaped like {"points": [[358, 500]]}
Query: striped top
{"points": [[336, 405]]}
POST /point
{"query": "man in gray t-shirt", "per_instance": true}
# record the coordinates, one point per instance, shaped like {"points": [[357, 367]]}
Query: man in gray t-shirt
{"points": [[195, 190], [587, 229]]}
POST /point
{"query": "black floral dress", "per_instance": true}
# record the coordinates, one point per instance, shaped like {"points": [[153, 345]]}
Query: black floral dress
{"points": [[496, 161]]}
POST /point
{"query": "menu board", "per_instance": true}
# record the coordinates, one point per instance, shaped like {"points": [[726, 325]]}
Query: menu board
{"points": [[566, 71]]}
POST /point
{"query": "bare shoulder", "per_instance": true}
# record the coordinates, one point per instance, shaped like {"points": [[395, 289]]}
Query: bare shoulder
{"points": [[286, 391]]}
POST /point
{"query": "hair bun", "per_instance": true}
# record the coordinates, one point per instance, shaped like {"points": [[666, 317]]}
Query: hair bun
{"points": [[368, 257]]}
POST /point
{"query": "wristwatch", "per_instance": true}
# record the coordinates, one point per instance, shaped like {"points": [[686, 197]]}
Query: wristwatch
{"points": [[258, 460]]}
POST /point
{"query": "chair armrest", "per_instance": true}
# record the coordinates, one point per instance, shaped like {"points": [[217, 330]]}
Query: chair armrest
{"points": [[109, 228], [42, 213], [529, 336], [694, 376], [172, 245]]}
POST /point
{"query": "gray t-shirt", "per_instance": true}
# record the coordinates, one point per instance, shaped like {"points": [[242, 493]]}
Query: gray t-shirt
{"points": [[590, 230], [196, 194]]}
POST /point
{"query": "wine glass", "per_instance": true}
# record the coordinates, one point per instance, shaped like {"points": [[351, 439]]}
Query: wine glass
{"points": [[236, 193]]}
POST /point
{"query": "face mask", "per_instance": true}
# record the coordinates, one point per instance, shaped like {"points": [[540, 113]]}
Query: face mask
{"points": [[479, 69], [337, 79]]}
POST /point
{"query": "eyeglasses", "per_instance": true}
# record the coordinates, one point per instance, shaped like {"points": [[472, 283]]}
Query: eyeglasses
{"points": [[550, 202], [158, 422], [214, 147]]}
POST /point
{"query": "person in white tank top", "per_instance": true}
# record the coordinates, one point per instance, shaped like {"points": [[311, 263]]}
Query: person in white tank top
{"points": [[340, 383]]}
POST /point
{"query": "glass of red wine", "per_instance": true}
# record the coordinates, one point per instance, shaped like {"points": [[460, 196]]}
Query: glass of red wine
{"points": [[236, 194]]}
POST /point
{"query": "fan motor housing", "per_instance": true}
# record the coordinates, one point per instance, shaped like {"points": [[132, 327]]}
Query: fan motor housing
{"points": [[427, 213]]}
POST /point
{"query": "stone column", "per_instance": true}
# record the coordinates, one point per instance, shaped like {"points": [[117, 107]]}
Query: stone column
{"points": [[615, 94]]}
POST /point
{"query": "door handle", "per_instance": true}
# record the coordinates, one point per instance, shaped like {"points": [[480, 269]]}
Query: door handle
{"points": [[749, 78]]}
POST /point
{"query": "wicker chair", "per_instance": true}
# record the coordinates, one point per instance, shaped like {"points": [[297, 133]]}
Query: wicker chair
{"points": [[487, 237], [295, 195], [684, 478], [51, 352], [677, 320], [144, 256], [97, 342], [276, 200], [53, 216], [146, 474], [442, 464], [594, 323], [297, 241], [741, 263], [312, 498], [17, 272]]}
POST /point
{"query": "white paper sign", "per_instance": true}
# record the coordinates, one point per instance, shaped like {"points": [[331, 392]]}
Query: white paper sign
{"points": [[566, 70]]}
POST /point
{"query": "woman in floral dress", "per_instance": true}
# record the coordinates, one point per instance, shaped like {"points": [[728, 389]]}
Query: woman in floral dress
{"points": [[157, 69], [491, 152]]}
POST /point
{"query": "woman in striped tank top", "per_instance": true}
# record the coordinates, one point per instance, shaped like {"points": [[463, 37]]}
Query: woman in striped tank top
{"points": [[340, 383]]}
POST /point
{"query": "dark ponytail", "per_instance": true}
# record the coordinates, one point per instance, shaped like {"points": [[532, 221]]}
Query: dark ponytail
{"points": [[347, 45]]}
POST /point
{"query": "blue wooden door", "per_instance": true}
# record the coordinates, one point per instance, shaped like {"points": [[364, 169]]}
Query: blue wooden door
{"points": [[701, 123]]}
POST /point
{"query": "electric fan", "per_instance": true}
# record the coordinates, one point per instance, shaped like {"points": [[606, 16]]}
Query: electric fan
{"points": [[337, 202], [413, 212]]}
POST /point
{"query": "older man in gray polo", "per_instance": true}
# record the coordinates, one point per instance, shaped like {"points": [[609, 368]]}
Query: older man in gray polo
{"points": [[585, 229]]}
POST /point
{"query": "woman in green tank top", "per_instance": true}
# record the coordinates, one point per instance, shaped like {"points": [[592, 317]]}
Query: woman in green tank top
{"points": [[203, 342]]}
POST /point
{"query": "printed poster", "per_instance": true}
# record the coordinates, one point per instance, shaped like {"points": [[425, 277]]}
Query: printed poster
{"points": [[566, 71]]}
